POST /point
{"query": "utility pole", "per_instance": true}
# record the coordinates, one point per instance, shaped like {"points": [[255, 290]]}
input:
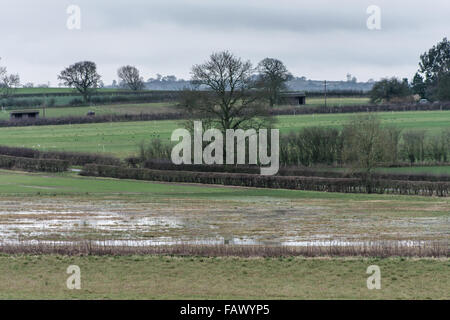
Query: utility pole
{"points": [[43, 106], [325, 93]]}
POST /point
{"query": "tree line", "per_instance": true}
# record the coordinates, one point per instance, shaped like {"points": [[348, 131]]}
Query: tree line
{"points": [[431, 81]]}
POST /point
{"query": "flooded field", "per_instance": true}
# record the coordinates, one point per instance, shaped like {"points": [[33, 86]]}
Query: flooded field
{"points": [[245, 221]]}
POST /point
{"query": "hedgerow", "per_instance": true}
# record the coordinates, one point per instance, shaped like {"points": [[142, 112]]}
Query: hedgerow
{"points": [[345, 185], [31, 164], [74, 158]]}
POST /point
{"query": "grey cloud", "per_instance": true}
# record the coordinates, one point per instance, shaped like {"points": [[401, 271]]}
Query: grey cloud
{"points": [[316, 38]]}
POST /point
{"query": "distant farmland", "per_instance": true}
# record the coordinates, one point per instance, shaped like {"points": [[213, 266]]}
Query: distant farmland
{"points": [[101, 109], [122, 138], [121, 108]]}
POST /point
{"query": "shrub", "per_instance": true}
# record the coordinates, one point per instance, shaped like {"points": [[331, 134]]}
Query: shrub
{"points": [[388, 89], [155, 149], [413, 145], [311, 145]]}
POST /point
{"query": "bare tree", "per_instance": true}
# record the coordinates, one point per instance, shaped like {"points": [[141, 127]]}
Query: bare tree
{"points": [[83, 77], [8, 82], [366, 144], [130, 77], [230, 101], [273, 76]]}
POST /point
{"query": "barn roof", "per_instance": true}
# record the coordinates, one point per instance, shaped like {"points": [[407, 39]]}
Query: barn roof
{"points": [[293, 94]]}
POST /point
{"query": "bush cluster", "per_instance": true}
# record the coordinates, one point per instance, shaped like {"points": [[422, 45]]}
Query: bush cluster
{"points": [[328, 146]]}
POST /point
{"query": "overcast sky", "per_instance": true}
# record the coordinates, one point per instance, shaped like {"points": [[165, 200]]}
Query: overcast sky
{"points": [[319, 39]]}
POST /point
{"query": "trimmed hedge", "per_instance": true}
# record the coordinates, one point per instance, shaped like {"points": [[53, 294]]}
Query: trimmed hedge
{"points": [[29, 164], [286, 171], [345, 185], [73, 158], [361, 108], [95, 119]]}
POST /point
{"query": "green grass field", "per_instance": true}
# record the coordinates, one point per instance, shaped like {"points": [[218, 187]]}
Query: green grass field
{"points": [[100, 110], [336, 101], [122, 138], [52, 112], [150, 277], [68, 183]]}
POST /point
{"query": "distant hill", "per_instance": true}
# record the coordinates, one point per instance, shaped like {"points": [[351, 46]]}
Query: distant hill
{"points": [[297, 84], [302, 84]]}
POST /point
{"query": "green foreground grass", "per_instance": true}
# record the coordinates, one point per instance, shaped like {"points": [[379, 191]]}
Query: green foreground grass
{"points": [[39, 184], [122, 138], [159, 277]]}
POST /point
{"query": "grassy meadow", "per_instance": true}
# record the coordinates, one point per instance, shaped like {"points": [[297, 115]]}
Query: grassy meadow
{"points": [[69, 183], [136, 108], [160, 277], [56, 112], [122, 138], [336, 101]]}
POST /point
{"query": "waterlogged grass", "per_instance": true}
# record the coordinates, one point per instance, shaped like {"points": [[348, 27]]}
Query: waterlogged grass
{"points": [[69, 207], [122, 138], [159, 277]]}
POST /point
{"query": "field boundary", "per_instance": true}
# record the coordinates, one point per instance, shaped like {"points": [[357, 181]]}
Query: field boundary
{"points": [[343, 185], [367, 249], [287, 171], [179, 115]]}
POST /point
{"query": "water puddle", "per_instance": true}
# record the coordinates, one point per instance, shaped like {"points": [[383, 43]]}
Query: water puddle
{"points": [[270, 223]]}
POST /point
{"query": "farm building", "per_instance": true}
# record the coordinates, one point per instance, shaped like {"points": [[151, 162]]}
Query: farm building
{"points": [[293, 98], [17, 115]]}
